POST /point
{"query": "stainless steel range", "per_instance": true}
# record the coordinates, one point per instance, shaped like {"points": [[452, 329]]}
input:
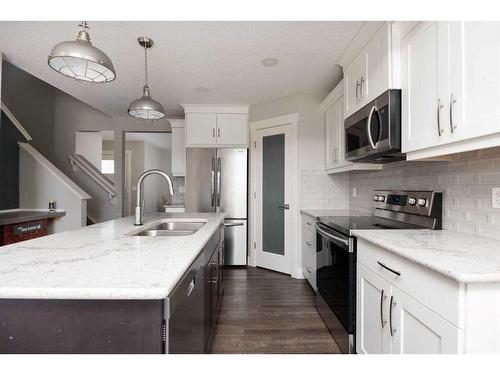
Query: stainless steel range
{"points": [[336, 252]]}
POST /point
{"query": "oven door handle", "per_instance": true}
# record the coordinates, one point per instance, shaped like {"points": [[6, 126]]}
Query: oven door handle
{"points": [[331, 236]]}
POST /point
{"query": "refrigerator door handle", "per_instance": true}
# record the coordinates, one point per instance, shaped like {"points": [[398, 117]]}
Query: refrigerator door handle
{"points": [[219, 165], [212, 195], [238, 224]]}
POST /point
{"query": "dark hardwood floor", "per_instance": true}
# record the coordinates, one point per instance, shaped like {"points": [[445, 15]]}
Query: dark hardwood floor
{"points": [[267, 312]]}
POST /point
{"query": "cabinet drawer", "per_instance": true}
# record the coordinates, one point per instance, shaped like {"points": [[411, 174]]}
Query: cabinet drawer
{"points": [[309, 256], [421, 283]]}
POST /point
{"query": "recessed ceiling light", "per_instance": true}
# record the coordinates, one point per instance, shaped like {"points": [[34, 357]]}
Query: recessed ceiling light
{"points": [[202, 89], [270, 61]]}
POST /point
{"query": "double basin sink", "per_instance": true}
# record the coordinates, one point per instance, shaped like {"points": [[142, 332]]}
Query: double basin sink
{"points": [[171, 228]]}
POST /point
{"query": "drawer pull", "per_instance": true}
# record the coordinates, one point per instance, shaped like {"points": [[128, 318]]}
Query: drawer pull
{"points": [[383, 297], [191, 286], [388, 269], [308, 243], [309, 223], [309, 269]]}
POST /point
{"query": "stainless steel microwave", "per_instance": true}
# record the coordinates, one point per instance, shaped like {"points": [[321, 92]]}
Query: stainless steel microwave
{"points": [[373, 133]]}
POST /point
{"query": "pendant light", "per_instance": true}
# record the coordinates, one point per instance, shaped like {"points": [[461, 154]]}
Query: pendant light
{"points": [[146, 108], [80, 60]]}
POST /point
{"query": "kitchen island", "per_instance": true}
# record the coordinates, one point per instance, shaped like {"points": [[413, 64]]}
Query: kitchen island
{"points": [[101, 289]]}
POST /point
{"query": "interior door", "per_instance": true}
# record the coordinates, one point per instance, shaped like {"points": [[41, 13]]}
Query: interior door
{"points": [[372, 313], [418, 330], [273, 248]]}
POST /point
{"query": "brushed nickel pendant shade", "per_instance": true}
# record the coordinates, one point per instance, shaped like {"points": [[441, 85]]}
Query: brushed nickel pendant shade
{"points": [[80, 60], [146, 108]]}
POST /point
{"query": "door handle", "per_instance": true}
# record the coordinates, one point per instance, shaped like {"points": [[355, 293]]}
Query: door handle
{"points": [[383, 297], [368, 127], [284, 206], [213, 183], [219, 165]]}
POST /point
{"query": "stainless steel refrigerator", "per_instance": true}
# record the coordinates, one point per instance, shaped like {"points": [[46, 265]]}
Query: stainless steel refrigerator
{"points": [[216, 181]]}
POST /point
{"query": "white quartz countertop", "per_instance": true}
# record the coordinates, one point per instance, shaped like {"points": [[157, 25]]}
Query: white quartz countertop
{"points": [[463, 257], [102, 261]]}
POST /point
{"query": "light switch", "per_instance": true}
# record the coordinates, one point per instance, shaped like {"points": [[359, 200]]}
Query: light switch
{"points": [[495, 197]]}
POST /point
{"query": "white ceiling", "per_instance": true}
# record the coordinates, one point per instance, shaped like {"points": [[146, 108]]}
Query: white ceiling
{"points": [[223, 56]]}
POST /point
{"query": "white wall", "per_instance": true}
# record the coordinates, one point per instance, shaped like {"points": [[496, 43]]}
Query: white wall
{"points": [[89, 145], [155, 187]]}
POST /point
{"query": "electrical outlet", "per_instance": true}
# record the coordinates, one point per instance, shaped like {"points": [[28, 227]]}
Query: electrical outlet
{"points": [[495, 197], [354, 192], [181, 189]]}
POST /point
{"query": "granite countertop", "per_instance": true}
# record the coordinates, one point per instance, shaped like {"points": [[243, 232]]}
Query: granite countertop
{"points": [[319, 212], [103, 261], [464, 257], [21, 215]]}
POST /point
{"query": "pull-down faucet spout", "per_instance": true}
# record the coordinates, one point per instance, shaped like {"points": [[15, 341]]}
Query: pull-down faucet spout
{"points": [[138, 207]]}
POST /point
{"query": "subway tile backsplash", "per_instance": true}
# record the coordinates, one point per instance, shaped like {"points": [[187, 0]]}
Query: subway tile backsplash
{"points": [[320, 190], [466, 183]]}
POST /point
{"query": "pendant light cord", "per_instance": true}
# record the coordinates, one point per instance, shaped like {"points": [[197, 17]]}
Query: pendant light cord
{"points": [[146, 64]]}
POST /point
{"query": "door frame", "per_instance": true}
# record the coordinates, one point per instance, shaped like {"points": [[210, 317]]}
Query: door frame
{"points": [[292, 120]]}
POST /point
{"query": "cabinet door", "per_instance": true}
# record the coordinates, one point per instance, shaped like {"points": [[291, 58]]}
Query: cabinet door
{"points": [[332, 118], [377, 58], [201, 129], [474, 79], [372, 309], [232, 129], [178, 151], [418, 330], [424, 86], [352, 84]]}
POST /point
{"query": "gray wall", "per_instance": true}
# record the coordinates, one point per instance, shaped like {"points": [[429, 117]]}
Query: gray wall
{"points": [[466, 183]]}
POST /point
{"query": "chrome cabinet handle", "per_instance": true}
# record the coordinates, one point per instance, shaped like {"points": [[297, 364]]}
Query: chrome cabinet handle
{"points": [[308, 243], [392, 304], [388, 268], [213, 132], [218, 132], [308, 223], [309, 269], [357, 91], [361, 87], [383, 297], [439, 108], [452, 101], [191, 286]]}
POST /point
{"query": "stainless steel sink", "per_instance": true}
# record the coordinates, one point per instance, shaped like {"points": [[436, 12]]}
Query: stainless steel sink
{"points": [[172, 228]]}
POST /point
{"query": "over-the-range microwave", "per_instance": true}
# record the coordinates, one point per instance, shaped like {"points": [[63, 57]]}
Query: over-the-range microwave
{"points": [[373, 133]]}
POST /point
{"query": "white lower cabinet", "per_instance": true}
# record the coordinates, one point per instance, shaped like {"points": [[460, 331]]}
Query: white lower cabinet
{"points": [[309, 249], [390, 321]]}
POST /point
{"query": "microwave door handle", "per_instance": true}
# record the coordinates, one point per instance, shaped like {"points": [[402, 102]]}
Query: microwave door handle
{"points": [[368, 128], [380, 124]]}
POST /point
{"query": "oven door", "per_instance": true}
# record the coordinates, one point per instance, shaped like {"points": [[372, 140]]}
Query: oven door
{"points": [[336, 284]]}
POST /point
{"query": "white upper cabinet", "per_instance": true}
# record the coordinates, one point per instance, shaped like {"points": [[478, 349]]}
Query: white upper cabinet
{"points": [[450, 88], [232, 129], [335, 162], [369, 73], [216, 126], [201, 129], [178, 147]]}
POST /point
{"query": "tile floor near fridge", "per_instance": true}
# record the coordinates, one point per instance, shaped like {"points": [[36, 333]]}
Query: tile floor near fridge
{"points": [[268, 312]]}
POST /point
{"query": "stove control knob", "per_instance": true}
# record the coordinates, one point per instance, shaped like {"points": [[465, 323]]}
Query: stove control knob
{"points": [[412, 201], [421, 202], [375, 198], [381, 198]]}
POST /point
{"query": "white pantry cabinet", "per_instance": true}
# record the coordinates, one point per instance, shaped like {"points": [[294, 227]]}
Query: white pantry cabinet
{"points": [[369, 74], [216, 126], [450, 88], [309, 249], [178, 147], [333, 107]]}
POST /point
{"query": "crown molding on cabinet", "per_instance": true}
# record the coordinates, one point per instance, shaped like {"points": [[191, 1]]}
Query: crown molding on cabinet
{"points": [[358, 42], [216, 108], [333, 97]]}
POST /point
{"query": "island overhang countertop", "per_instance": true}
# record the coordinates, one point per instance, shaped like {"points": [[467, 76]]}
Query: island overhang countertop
{"points": [[103, 261]]}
